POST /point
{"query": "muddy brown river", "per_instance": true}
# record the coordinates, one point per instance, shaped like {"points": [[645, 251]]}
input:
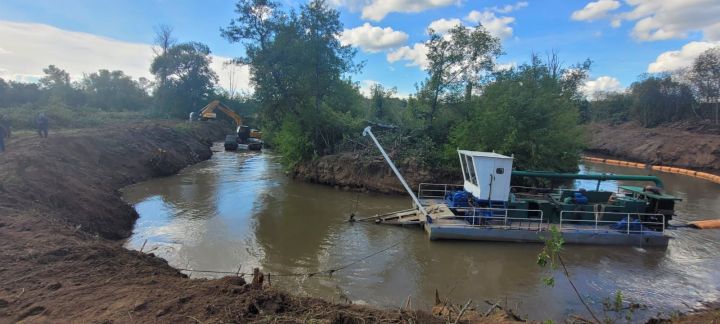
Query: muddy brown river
{"points": [[239, 211]]}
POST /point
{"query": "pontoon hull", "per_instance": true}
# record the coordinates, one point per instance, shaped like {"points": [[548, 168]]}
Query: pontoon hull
{"points": [[444, 232]]}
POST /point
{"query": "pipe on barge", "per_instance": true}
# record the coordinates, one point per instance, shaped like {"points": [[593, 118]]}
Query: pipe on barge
{"points": [[597, 176]]}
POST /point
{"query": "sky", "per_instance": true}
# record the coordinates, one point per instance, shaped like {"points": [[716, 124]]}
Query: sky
{"points": [[623, 38]]}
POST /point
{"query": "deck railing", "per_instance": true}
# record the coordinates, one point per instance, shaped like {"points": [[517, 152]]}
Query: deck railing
{"points": [[436, 190], [499, 218], [524, 189], [597, 225]]}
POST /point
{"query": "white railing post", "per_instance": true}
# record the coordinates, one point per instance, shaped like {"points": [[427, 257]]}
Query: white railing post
{"points": [[596, 221], [628, 224], [663, 223], [561, 220]]}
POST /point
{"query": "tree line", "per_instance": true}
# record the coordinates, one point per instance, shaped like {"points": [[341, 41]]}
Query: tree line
{"points": [[310, 106], [183, 82], [687, 94]]}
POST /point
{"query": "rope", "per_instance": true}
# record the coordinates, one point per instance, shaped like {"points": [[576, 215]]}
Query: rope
{"points": [[327, 272]]}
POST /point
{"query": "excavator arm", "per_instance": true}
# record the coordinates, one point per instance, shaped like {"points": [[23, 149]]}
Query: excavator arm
{"points": [[208, 112]]}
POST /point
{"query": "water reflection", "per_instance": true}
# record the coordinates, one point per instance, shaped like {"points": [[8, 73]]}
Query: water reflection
{"points": [[240, 210]]}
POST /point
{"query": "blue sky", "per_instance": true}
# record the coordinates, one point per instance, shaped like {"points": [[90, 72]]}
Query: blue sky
{"points": [[667, 33]]}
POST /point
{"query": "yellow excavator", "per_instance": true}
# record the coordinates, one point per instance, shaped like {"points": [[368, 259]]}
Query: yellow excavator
{"points": [[245, 137]]}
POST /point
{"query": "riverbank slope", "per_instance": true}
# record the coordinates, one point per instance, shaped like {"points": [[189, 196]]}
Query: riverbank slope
{"points": [[369, 171], [62, 221], [686, 145]]}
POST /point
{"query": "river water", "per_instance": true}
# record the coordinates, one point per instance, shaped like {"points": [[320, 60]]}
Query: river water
{"points": [[239, 211]]}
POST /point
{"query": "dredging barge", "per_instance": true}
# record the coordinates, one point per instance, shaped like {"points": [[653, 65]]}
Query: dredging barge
{"points": [[487, 208]]}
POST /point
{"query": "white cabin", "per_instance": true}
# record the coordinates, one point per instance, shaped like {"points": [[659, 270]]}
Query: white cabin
{"points": [[486, 175]]}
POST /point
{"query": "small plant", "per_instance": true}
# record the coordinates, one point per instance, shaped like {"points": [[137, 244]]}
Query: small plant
{"points": [[617, 307], [550, 255]]}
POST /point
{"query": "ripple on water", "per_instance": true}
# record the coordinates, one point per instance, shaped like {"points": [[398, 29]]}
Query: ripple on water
{"points": [[240, 209]]}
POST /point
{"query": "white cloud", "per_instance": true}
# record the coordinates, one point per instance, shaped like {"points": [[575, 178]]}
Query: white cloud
{"points": [[416, 55], [660, 19], [373, 39], [442, 26], [603, 84], [504, 66], [30, 47], [496, 26], [365, 86], [595, 10], [378, 9], [673, 60], [510, 8]]}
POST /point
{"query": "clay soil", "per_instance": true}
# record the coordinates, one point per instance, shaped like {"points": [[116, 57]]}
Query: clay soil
{"points": [[367, 170], [62, 225], [687, 145]]}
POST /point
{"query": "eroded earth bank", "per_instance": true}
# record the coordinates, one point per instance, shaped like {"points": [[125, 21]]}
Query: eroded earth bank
{"points": [[62, 222]]}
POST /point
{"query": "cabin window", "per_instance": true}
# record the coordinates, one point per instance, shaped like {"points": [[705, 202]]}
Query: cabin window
{"points": [[463, 162], [471, 168], [500, 170]]}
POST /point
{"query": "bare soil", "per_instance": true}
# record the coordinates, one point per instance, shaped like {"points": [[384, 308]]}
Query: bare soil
{"points": [[687, 145], [62, 222], [369, 171]]}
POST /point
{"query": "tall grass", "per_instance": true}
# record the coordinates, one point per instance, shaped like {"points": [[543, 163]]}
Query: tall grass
{"points": [[60, 117]]}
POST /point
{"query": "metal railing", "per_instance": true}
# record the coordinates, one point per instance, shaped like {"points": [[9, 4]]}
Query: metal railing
{"points": [[524, 189], [436, 190], [597, 225], [497, 218]]}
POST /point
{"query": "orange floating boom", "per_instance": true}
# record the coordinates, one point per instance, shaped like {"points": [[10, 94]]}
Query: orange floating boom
{"points": [[706, 224]]}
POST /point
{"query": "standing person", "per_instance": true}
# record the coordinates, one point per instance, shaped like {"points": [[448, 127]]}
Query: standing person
{"points": [[42, 125], [4, 132]]}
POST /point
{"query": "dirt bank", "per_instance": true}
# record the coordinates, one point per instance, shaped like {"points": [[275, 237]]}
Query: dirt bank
{"points": [[61, 218], [693, 146], [360, 171]]}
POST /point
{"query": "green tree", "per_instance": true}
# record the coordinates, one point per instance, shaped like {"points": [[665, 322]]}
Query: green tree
{"points": [[705, 79], [531, 112], [54, 78], [380, 99], [658, 99], [190, 80], [456, 63], [114, 91], [298, 68], [58, 88], [611, 107]]}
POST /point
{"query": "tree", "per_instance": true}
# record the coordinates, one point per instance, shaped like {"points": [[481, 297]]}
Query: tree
{"points": [[58, 88], [254, 26], [298, 68], [114, 91], [163, 41], [4, 91], [54, 78], [379, 98], [705, 78], [190, 79], [530, 111], [457, 62], [611, 107], [658, 99]]}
